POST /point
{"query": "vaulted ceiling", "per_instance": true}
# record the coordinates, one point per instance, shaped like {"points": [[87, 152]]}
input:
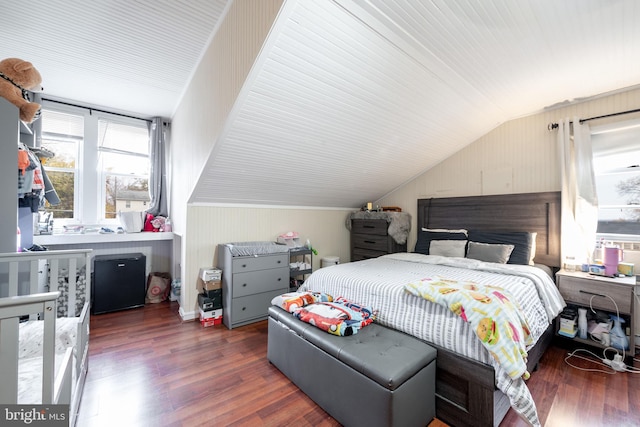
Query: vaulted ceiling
{"points": [[349, 99]]}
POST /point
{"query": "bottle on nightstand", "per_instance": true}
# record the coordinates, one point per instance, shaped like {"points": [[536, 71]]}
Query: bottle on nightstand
{"points": [[582, 323]]}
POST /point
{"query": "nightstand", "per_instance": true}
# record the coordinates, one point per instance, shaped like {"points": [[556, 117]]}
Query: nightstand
{"points": [[585, 290]]}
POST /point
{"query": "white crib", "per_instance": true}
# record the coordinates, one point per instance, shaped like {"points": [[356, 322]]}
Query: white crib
{"points": [[25, 279]]}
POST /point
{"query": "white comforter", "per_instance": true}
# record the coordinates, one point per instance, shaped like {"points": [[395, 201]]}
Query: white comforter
{"points": [[380, 282]]}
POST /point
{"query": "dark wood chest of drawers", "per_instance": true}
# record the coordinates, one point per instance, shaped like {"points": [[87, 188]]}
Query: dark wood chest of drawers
{"points": [[370, 239]]}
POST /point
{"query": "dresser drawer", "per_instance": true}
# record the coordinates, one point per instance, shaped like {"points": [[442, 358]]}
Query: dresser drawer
{"points": [[370, 242], [580, 291], [253, 282], [369, 226], [253, 306], [360, 254], [263, 262]]}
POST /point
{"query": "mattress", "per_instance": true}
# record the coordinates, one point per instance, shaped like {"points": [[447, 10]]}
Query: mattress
{"points": [[31, 336]]}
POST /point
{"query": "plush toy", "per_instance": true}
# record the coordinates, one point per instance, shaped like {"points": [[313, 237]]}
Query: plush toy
{"points": [[17, 77]]}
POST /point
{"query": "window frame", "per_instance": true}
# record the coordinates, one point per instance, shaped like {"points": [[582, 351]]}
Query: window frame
{"points": [[89, 188], [612, 128]]}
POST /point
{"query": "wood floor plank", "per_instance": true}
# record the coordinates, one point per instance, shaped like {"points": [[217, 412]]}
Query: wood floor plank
{"points": [[148, 368]]}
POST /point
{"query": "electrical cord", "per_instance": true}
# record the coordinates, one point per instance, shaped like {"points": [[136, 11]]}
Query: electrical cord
{"points": [[596, 360], [617, 363]]}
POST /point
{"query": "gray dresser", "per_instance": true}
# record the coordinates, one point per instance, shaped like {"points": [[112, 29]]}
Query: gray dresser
{"points": [[370, 239], [251, 276]]}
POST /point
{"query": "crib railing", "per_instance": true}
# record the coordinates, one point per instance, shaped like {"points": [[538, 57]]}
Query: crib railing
{"points": [[11, 309], [56, 262]]}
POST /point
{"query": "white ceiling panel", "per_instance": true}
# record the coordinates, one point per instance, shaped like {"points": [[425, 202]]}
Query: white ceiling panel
{"points": [[350, 98], [131, 56]]}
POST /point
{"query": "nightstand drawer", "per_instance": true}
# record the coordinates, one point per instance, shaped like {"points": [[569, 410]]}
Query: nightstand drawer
{"points": [[584, 292], [370, 226]]}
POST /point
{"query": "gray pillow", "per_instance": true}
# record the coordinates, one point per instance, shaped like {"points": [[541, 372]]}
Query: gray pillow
{"points": [[448, 247], [489, 252]]}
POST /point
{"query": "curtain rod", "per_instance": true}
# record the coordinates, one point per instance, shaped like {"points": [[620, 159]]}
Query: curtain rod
{"points": [[552, 126], [96, 109]]}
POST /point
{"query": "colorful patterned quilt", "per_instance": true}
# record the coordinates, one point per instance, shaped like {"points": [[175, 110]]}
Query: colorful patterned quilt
{"points": [[493, 313], [337, 316]]}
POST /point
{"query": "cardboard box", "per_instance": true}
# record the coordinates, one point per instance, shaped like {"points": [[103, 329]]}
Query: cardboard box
{"points": [[210, 318], [209, 285], [625, 268], [215, 296], [208, 304], [210, 274], [211, 322], [210, 314]]}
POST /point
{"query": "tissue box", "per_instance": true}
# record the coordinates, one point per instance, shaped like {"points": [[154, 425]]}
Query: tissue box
{"points": [[625, 268]]}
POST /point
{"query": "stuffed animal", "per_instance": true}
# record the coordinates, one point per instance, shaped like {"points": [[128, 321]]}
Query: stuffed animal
{"points": [[16, 78]]}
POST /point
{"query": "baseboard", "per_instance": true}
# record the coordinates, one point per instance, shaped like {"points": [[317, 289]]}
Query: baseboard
{"points": [[187, 315]]}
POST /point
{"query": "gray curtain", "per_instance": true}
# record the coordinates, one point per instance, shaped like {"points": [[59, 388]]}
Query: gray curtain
{"points": [[158, 173]]}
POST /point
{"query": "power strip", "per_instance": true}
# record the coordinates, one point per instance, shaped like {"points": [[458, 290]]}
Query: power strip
{"points": [[617, 364]]}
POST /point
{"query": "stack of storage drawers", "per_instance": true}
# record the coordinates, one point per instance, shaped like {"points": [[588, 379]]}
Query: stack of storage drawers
{"points": [[369, 239], [249, 283]]}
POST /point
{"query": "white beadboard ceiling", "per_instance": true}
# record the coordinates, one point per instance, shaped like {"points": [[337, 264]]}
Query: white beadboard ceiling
{"points": [[349, 99], [131, 56]]}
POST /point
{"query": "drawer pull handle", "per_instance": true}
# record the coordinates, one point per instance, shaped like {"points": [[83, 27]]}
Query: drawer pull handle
{"points": [[370, 241], [279, 261], [244, 265], [279, 279], [244, 308], [368, 226], [244, 285], [592, 293]]}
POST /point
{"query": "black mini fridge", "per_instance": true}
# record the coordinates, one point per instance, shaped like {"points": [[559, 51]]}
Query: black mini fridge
{"points": [[118, 282]]}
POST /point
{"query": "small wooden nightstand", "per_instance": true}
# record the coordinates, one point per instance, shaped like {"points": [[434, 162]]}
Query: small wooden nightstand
{"points": [[585, 290]]}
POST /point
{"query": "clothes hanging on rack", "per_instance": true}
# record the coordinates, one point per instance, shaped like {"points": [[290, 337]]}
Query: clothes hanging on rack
{"points": [[34, 186]]}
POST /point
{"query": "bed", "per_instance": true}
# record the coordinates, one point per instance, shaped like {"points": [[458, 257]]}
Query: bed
{"points": [[44, 327], [472, 388]]}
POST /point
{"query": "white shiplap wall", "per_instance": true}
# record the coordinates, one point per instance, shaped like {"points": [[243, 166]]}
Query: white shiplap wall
{"points": [[197, 124], [519, 156]]}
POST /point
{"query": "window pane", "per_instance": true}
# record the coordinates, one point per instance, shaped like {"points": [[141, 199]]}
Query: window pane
{"points": [[123, 137], [63, 182], [66, 153], [616, 162], [62, 134], [125, 193], [124, 164], [62, 124]]}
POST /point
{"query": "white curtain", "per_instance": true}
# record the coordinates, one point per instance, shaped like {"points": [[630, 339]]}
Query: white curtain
{"points": [[579, 198]]}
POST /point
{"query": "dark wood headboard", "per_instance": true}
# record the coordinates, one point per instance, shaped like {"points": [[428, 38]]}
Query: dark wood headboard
{"points": [[532, 212]]}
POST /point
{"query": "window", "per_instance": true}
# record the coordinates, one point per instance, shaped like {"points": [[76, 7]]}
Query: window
{"points": [[616, 162], [100, 166], [124, 164], [62, 134]]}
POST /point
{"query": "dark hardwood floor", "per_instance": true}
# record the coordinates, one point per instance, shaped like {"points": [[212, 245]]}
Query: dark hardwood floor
{"points": [[148, 368]]}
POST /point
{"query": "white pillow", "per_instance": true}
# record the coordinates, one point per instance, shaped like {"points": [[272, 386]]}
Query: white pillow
{"points": [[452, 248], [489, 252]]}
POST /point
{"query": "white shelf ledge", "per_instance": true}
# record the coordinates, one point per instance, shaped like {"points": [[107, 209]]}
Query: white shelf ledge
{"points": [[74, 239]]}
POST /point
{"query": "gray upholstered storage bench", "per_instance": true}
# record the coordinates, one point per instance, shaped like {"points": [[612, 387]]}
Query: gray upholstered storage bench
{"points": [[378, 377]]}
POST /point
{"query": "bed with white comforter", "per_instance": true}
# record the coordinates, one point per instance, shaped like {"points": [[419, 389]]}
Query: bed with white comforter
{"points": [[380, 284]]}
